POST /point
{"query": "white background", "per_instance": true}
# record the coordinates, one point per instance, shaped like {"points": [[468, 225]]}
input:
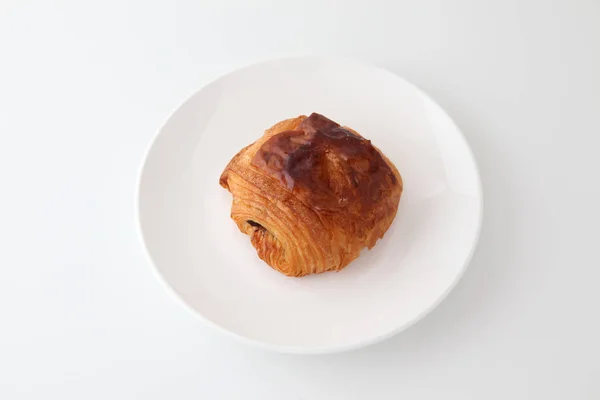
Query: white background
{"points": [[85, 85]]}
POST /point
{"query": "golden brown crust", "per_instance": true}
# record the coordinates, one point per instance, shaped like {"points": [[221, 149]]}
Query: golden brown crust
{"points": [[312, 194]]}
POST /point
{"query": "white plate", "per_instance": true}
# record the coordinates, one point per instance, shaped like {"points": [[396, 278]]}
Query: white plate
{"points": [[212, 267]]}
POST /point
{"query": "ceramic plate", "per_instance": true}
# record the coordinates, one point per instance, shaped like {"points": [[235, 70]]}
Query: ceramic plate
{"points": [[213, 269]]}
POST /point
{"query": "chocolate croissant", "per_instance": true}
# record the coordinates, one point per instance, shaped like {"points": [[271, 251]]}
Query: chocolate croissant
{"points": [[311, 194]]}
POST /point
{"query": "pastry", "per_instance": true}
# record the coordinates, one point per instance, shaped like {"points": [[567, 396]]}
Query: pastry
{"points": [[311, 194]]}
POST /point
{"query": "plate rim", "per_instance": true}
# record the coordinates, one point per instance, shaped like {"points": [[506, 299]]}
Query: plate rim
{"points": [[304, 349]]}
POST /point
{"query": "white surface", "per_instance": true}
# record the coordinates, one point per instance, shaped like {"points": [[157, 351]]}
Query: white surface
{"points": [[84, 87], [212, 267]]}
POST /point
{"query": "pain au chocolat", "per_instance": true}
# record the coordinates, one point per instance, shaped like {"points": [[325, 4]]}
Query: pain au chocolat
{"points": [[311, 194]]}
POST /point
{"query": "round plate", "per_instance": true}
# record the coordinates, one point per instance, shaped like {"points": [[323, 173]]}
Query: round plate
{"points": [[201, 255]]}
